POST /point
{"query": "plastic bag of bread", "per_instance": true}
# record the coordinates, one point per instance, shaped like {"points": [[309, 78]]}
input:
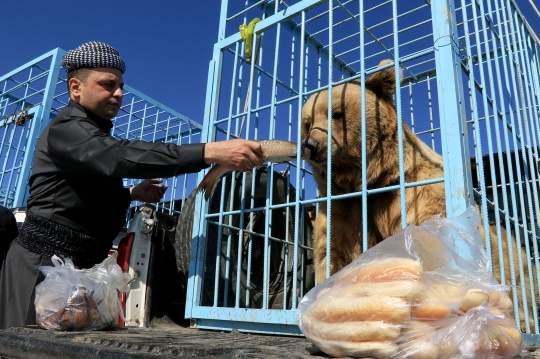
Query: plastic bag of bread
{"points": [[424, 293], [72, 299]]}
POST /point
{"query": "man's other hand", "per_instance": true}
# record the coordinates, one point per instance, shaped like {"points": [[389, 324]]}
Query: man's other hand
{"points": [[239, 155], [148, 190]]}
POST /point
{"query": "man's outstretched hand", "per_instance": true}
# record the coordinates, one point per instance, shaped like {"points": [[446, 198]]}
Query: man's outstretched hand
{"points": [[148, 191], [237, 155]]}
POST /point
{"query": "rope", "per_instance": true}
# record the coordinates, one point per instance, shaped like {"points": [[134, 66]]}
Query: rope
{"points": [[246, 32], [246, 103], [19, 117]]}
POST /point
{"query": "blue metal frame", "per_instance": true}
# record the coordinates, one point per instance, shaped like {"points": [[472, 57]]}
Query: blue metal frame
{"points": [[264, 320], [451, 110], [22, 189], [41, 83], [477, 97], [19, 91]]}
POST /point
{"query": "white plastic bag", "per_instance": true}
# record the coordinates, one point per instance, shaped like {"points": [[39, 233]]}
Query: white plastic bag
{"points": [[424, 293], [80, 299]]}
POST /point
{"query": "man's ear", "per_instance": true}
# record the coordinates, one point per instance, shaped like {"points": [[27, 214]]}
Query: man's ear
{"points": [[75, 88]]}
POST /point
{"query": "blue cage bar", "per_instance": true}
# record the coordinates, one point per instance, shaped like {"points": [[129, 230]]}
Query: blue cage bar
{"points": [[32, 95], [469, 90]]}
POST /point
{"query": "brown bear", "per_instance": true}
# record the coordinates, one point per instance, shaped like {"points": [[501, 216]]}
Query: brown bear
{"points": [[384, 209]]}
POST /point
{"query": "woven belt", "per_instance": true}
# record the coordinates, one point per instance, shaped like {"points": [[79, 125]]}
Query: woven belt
{"points": [[42, 236]]}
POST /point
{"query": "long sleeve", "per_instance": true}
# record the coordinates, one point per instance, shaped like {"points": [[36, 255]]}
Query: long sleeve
{"points": [[88, 149], [78, 168]]}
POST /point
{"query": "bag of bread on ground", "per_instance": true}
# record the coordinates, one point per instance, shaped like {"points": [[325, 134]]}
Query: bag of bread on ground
{"points": [[74, 299], [425, 292]]}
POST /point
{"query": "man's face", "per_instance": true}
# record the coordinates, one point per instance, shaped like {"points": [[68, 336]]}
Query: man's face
{"points": [[101, 92]]}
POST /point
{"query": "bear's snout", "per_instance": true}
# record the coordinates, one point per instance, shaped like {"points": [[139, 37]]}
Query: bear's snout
{"points": [[311, 144]]}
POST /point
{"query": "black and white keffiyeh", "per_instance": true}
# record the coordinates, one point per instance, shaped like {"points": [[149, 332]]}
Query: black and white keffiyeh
{"points": [[93, 54]]}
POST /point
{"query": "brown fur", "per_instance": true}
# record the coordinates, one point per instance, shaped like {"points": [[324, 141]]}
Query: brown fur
{"points": [[384, 209]]}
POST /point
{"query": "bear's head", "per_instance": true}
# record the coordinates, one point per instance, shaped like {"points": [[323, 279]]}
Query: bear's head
{"points": [[346, 117]]}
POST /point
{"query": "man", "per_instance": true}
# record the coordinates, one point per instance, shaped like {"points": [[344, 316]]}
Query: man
{"points": [[8, 231], [77, 203], [312, 212]]}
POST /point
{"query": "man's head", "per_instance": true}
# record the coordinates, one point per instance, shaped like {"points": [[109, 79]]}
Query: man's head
{"points": [[95, 78], [312, 212]]}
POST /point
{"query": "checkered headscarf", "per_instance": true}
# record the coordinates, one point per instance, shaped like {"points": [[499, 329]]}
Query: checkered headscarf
{"points": [[93, 54]]}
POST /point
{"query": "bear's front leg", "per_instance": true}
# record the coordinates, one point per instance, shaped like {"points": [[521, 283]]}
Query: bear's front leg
{"points": [[319, 247], [346, 242]]}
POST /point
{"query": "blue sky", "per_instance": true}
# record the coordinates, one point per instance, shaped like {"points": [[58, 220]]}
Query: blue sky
{"points": [[167, 45]]}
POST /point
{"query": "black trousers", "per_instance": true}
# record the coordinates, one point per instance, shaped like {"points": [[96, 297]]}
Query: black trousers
{"points": [[19, 276]]}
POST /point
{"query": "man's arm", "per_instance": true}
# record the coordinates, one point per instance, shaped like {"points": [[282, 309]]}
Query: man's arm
{"points": [[78, 146], [239, 155], [148, 191]]}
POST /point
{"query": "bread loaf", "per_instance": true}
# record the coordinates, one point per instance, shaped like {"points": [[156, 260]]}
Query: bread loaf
{"points": [[373, 308], [430, 310], [418, 349], [416, 329], [403, 289], [80, 313], [391, 308], [352, 331], [383, 270], [500, 300], [447, 347], [501, 339], [473, 298], [510, 327], [343, 348]]}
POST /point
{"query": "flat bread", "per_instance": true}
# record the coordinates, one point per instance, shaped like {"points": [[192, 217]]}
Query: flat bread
{"points": [[415, 329], [376, 350], [382, 270], [448, 347], [418, 349], [407, 289], [350, 331], [500, 300], [510, 327], [500, 340], [473, 298], [430, 310], [373, 308]]}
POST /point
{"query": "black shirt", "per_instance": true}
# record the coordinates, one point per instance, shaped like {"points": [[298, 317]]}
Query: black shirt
{"points": [[78, 168]]}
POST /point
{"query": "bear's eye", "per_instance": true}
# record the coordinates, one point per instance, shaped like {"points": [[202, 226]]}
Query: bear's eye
{"points": [[306, 123], [337, 116]]}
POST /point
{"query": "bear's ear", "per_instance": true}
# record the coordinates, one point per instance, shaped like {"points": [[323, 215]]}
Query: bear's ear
{"points": [[383, 83]]}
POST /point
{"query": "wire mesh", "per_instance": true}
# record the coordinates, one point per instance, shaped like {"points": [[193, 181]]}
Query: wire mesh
{"points": [[304, 47], [42, 82]]}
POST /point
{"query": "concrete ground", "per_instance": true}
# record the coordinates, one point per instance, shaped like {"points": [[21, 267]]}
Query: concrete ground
{"points": [[35, 343]]}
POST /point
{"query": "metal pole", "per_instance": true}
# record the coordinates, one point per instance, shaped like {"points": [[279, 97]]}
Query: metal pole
{"points": [[457, 171]]}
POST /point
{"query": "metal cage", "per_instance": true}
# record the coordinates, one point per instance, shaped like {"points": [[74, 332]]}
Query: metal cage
{"points": [[469, 90], [32, 95]]}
